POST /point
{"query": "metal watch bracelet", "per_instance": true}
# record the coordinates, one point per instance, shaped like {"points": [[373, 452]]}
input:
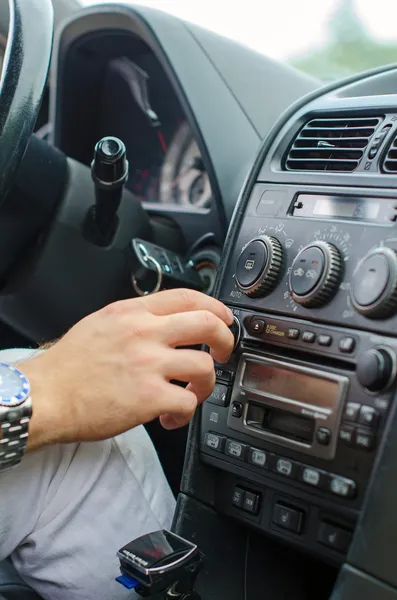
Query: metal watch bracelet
{"points": [[14, 425]]}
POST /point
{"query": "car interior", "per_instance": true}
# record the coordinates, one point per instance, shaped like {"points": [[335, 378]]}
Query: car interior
{"points": [[252, 181]]}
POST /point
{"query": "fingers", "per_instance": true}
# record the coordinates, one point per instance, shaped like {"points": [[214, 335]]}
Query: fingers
{"points": [[198, 327], [194, 367], [183, 300], [179, 405]]}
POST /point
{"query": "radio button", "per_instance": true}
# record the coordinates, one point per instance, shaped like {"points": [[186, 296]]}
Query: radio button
{"points": [[220, 395], [223, 374], [257, 457], [347, 435], [237, 409], [256, 326], [365, 440], [311, 476], [368, 416], [324, 436], [293, 334], [308, 337], [340, 486], [214, 441], [352, 410], [347, 345], [284, 467], [324, 340], [235, 449]]}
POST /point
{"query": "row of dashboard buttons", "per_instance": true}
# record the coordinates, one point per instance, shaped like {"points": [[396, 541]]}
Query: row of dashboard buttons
{"points": [[359, 437], [292, 519], [347, 344], [328, 482], [248, 501]]}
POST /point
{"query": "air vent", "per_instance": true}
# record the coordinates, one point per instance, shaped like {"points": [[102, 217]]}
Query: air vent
{"points": [[390, 162], [331, 144]]}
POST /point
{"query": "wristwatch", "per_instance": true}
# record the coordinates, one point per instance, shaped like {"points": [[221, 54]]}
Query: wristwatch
{"points": [[15, 413]]}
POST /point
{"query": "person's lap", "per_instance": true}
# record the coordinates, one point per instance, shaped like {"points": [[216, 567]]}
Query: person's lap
{"points": [[67, 509]]}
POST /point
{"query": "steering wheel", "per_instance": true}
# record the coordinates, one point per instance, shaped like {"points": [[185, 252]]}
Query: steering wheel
{"points": [[22, 84]]}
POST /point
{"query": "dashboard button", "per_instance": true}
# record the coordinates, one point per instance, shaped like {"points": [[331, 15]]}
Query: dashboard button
{"points": [[284, 467], [214, 441], [235, 449], [238, 497], [368, 416], [324, 436], [340, 486], [324, 340], [223, 374], [347, 345], [311, 476], [251, 503], [352, 410], [257, 457], [347, 434], [365, 440], [220, 395], [293, 334], [308, 337], [288, 518], [334, 537], [237, 409], [256, 325]]}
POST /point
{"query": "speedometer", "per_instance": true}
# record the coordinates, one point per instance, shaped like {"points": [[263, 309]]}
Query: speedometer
{"points": [[183, 179]]}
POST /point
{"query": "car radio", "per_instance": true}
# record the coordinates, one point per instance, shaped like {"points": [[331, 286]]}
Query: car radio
{"points": [[291, 405], [297, 416]]}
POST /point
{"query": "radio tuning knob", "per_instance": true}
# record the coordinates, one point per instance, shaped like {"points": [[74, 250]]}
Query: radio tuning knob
{"points": [[316, 274], [374, 285], [375, 369], [259, 266]]}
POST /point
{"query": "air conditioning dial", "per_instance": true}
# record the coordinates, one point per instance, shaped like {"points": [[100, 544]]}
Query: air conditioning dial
{"points": [[315, 274], [374, 285], [259, 266]]}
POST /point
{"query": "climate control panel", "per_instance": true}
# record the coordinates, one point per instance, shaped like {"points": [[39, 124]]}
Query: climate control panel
{"points": [[331, 270]]}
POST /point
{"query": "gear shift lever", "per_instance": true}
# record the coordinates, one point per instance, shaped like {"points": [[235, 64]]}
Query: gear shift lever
{"points": [[109, 170]]}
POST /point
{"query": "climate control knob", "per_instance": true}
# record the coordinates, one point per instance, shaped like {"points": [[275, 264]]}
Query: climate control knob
{"points": [[374, 286], [315, 274], [259, 266]]}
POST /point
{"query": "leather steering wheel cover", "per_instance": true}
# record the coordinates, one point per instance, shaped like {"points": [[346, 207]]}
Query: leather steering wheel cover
{"points": [[22, 84]]}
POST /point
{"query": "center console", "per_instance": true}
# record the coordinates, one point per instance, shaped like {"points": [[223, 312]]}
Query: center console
{"points": [[297, 417]]}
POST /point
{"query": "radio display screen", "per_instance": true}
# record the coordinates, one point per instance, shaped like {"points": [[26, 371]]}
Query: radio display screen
{"points": [[292, 385]]}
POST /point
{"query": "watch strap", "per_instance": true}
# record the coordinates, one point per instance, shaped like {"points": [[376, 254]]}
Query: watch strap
{"points": [[14, 425]]}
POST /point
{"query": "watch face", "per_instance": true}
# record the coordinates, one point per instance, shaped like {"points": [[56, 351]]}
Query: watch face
{"points": [[14, 387]]}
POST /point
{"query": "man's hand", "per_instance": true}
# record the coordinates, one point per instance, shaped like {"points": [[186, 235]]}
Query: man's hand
{"points": [[112, 370]]}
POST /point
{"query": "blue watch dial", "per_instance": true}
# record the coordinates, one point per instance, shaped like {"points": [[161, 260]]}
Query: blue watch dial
{"points": [[14, 386]]}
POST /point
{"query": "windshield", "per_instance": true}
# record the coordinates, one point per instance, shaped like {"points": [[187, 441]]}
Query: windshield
{"points": [[329, 39]]}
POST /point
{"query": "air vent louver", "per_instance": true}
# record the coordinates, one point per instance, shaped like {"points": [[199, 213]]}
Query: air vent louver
{"points": [[331, 144], [390, 162]]}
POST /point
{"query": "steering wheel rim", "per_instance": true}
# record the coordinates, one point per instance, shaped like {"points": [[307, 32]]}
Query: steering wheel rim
{"points": [[23, 80]]}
